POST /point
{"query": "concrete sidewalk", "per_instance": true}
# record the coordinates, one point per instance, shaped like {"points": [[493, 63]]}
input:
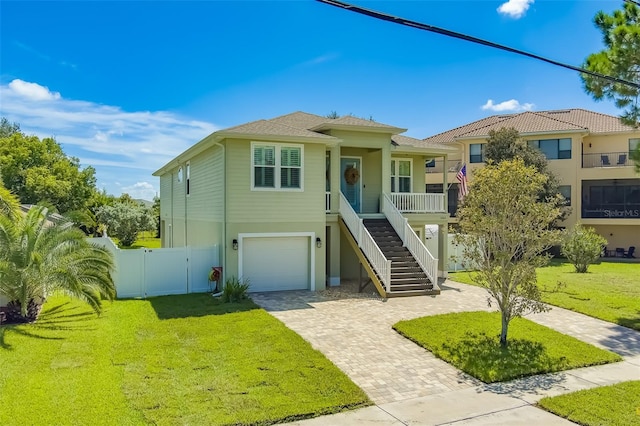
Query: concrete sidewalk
{"points": [[410, 386], [510, 403]]}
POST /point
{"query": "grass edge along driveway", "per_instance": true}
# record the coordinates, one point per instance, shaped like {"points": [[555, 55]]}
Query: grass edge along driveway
{"points": [[609, 291], [470, 342], [617, 404], [166, 360]]}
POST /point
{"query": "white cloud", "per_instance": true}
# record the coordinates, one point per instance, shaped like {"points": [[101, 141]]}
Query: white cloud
{"points": [[515, 8], [32, 91], [122, 146], [143, 190], [510, 105]]}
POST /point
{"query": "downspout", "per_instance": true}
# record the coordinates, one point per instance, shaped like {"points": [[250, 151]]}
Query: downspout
{"points": [[224, 214]]}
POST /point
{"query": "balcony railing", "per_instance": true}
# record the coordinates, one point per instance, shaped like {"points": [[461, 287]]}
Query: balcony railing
{"points": [[437, 166], [606, 159], [407, 202], [611, 211]]}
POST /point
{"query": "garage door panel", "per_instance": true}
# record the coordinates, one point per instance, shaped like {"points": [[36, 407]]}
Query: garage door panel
{"points": [[276, 263]]}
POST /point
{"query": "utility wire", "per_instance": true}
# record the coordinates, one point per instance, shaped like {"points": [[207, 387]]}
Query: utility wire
{"points": [[449, 33]]}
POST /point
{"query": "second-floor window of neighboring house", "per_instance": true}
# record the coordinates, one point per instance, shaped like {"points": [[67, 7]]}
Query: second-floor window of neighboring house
{"points": [[188, 181], [565, 191], [634, 144], [400, 175], [554, 149], [276, 166], [476, 153]]}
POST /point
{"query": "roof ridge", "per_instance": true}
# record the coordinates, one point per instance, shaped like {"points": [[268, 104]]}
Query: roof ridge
{"points": [[491, 124], [539, 114], [459, 127], [291, 127]]}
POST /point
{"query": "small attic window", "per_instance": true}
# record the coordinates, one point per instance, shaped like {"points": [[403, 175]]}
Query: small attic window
{"points": [[180, 174]]}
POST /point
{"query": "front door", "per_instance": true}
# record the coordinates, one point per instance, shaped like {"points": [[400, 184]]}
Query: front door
{"points": [[351, 181]]}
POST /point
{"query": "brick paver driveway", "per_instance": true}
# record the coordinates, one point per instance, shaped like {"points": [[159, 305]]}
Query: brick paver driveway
{"points": [[356, 335]]}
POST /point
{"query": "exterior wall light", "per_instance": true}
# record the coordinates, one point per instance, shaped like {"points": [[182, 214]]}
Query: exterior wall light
{"points": [[318, 242], [234, 244]]}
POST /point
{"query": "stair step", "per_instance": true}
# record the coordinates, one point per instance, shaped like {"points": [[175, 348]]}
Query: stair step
{"points": [[404, 287], [408, 293]]}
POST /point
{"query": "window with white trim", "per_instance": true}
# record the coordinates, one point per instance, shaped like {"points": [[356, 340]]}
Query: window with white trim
{"points": [[401, 175], [276, 166]]}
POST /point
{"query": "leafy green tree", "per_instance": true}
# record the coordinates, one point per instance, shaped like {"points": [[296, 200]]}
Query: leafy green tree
{"points": [[7, 129], [125, 220], [582, 246], [9, 204], [620, 58], [38, 258], [504, 229], [39, 172], [506, 144]]}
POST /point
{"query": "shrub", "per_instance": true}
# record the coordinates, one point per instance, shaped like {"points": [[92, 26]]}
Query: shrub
{"points": [[125, 219], [235, 290], [582, 247]]}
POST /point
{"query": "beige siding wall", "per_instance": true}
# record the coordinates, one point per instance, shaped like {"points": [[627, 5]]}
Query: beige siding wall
{"points": [[194, 219], [622, 236], [166, 211], [246, 205]]}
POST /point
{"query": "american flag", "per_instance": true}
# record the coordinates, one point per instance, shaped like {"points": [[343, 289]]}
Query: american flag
{"points": [[463, 188]]}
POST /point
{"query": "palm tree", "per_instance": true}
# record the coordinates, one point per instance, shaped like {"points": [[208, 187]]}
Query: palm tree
{"points": [[9, 204], [38, 257]]}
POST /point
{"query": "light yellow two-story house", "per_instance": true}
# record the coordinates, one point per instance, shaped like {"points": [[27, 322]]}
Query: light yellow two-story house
{"points": [[302, 201], [588, 151]]}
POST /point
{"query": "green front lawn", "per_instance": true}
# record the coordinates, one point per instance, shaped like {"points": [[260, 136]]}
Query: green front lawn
{"points": [[609, 291], [616, 405], [470, 342], [166, 360]]}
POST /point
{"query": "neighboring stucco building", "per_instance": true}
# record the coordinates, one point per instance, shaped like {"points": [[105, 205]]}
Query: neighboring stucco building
{"points": [[588, 151], [299, 201]]}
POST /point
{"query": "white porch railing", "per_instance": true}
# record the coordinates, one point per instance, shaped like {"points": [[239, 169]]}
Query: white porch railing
{"points": [[410, 240], [407, 202], [365, 241], [327, 202]]}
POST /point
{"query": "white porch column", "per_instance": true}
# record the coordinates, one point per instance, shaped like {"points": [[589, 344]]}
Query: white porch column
{"points": [[334, 178], [386, 171], [443, 250]]}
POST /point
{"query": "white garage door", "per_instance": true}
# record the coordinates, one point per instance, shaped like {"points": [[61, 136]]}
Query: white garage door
{"points": [[276, 263]]}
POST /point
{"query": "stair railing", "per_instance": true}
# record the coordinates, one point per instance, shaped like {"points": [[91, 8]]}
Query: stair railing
{"points": [[410, 240], [365, 241]]}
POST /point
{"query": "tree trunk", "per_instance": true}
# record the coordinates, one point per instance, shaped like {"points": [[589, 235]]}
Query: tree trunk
{"points": [[505, 329]]}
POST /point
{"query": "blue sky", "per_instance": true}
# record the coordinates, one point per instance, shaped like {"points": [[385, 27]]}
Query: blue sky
{"points": [[125, 86]]}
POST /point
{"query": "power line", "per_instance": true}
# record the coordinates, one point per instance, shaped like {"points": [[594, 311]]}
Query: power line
{"points": [[449, 33]]}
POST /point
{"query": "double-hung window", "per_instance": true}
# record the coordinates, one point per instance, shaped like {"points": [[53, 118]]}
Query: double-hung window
{"points": [[476, 153], [276, 166], [553, 149], [401, 175]]}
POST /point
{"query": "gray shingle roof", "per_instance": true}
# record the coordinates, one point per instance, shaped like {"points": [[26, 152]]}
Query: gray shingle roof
{"points": [[536, 122], [268, 127]]}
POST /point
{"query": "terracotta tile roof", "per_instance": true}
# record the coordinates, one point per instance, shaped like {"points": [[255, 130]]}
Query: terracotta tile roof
{"points": [[268, 127], [536, 122], [409, 141]]}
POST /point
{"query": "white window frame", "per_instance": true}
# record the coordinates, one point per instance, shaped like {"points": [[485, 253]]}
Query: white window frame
{"points": [[277, 167], [397, 176]]}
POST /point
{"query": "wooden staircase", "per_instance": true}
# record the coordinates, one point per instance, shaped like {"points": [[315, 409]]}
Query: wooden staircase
{"points": [[407, 277]]}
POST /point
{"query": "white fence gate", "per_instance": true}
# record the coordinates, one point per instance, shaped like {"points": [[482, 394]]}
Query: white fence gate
{"points": [[159, 272]]}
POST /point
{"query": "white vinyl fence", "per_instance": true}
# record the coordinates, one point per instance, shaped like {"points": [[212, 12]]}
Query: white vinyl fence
{"points": [[159, 272], [454, 251]]}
